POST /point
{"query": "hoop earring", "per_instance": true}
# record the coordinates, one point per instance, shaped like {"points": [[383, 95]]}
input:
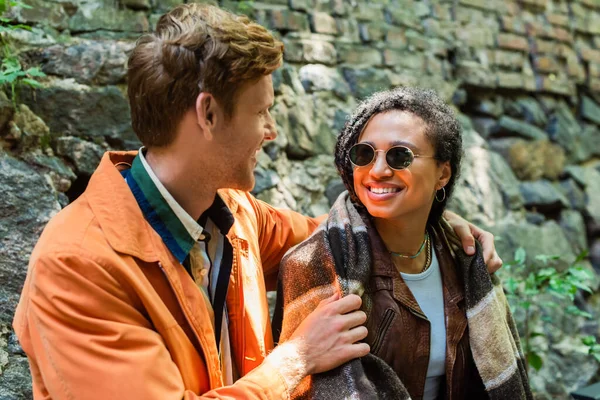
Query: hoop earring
{"points": [[443, 189]]}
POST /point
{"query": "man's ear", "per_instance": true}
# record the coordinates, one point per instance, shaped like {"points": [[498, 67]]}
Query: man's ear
{"points": [[445, 175], [207, 114]]}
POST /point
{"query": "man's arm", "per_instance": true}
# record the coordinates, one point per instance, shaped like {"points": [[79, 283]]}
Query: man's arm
{"points": [[279, 230], [88, 338]]}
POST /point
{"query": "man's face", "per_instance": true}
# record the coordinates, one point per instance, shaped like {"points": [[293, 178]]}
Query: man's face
{"points": [[245, 132]]}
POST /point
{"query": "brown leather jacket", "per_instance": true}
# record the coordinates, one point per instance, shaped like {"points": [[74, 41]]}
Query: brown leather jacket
{"points": [[399, 332]]}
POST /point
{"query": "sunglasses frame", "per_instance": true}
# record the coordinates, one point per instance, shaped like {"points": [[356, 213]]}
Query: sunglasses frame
{"points": [[375, 151]]}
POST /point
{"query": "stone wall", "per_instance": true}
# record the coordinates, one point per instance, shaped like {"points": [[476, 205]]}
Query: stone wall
{"points": [[523, 75]]}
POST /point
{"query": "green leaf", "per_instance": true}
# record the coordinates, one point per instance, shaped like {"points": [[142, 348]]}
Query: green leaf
{"points": [[10, 64], [18, 3], [589, 340], [545, 258], [520, 255], [31, 82], [536, 334], [535, 360], [35, 72]]}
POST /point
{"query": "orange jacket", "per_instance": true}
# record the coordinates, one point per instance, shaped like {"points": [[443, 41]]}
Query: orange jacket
{"points": [[107, 312]]}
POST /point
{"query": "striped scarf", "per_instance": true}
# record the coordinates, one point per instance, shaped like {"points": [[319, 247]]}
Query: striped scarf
{"points": [[337, 258]]}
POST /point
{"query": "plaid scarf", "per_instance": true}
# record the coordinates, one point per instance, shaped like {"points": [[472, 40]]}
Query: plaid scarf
{"points": [[337, 258]]}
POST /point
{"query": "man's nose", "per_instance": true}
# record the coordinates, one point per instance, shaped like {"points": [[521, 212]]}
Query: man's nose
{"points": [[271, 128]]}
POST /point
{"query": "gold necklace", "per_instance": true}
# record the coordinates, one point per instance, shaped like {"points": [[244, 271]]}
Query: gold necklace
{"points": [[429, 256]]}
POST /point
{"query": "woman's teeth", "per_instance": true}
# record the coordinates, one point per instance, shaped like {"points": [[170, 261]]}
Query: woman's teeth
{"points": [[384, 190]]}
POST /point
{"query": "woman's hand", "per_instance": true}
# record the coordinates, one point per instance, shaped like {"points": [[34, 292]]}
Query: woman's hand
{"points": [[467, 232]]}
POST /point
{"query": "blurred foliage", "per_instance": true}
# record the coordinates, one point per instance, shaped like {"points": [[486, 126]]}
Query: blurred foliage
{"points": [[536, 287], [12, 73]]}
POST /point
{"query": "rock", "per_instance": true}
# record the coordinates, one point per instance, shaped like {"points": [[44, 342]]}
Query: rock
{"points": [[578, 174], [323, 23], [489, 106], [265, 179], [94, 16], [27, 203], [590, 110], [527, 109], [567, 365], [42, 12], [592, 208], [484, 125], [469, 136], [101, 62], [307, 182], [531, 160], [334, 189], [486, 189], [364, 82], [595, 254], [15, 380], [510, 126], [287, 75], [308, 124], [7, 110], [84, 155], [547, 238], [317, 77], [163, 6], [542, 195], [590, 135], [32, 130], [534, 218], [574, 227], [60, 175], [136, 4], [459, 97], [349, 53], [314, 49], [572, 191], [84, 111], [564, 129]]}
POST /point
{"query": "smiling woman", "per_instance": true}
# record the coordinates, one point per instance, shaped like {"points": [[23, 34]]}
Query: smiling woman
{"points": [[434, 315]]}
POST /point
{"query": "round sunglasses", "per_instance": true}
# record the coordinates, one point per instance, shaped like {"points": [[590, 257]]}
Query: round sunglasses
{"points": [[397, 157]]}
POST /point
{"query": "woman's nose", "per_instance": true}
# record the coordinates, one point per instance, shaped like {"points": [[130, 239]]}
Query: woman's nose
{"points": [[380, 167]]}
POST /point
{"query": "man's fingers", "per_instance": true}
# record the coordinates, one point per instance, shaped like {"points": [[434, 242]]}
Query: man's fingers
{"points": [[356, 334], [487, 239], [353, 319], [346, 304], [329, 300], [468, 241], [495, 264], [360, 349]]}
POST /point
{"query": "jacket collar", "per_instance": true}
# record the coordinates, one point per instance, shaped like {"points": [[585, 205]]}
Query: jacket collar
{"points": [[126, 227], [161, 216], [384, 266]]}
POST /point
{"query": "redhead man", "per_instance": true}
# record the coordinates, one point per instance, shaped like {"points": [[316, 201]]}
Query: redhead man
{"points": [[152, 284]]}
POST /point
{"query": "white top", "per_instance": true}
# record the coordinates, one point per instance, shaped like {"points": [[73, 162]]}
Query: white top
{"points": [[204, 271], [428, 291]]}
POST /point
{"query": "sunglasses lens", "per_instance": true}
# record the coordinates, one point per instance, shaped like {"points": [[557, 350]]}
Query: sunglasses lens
{"points": [[361, 154], [399, 157]]}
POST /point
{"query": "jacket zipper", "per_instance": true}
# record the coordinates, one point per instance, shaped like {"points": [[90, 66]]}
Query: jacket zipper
{"points": [[385, 324]]}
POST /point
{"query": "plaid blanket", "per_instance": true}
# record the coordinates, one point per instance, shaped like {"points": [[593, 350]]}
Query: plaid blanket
{"points": [[337, 258]]}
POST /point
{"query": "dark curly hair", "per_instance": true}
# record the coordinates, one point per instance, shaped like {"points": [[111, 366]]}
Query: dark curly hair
{"points": [[442, 129]]}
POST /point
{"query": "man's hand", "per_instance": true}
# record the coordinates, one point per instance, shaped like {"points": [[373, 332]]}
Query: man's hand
{"points": [[328, 337], [467, 232]]}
